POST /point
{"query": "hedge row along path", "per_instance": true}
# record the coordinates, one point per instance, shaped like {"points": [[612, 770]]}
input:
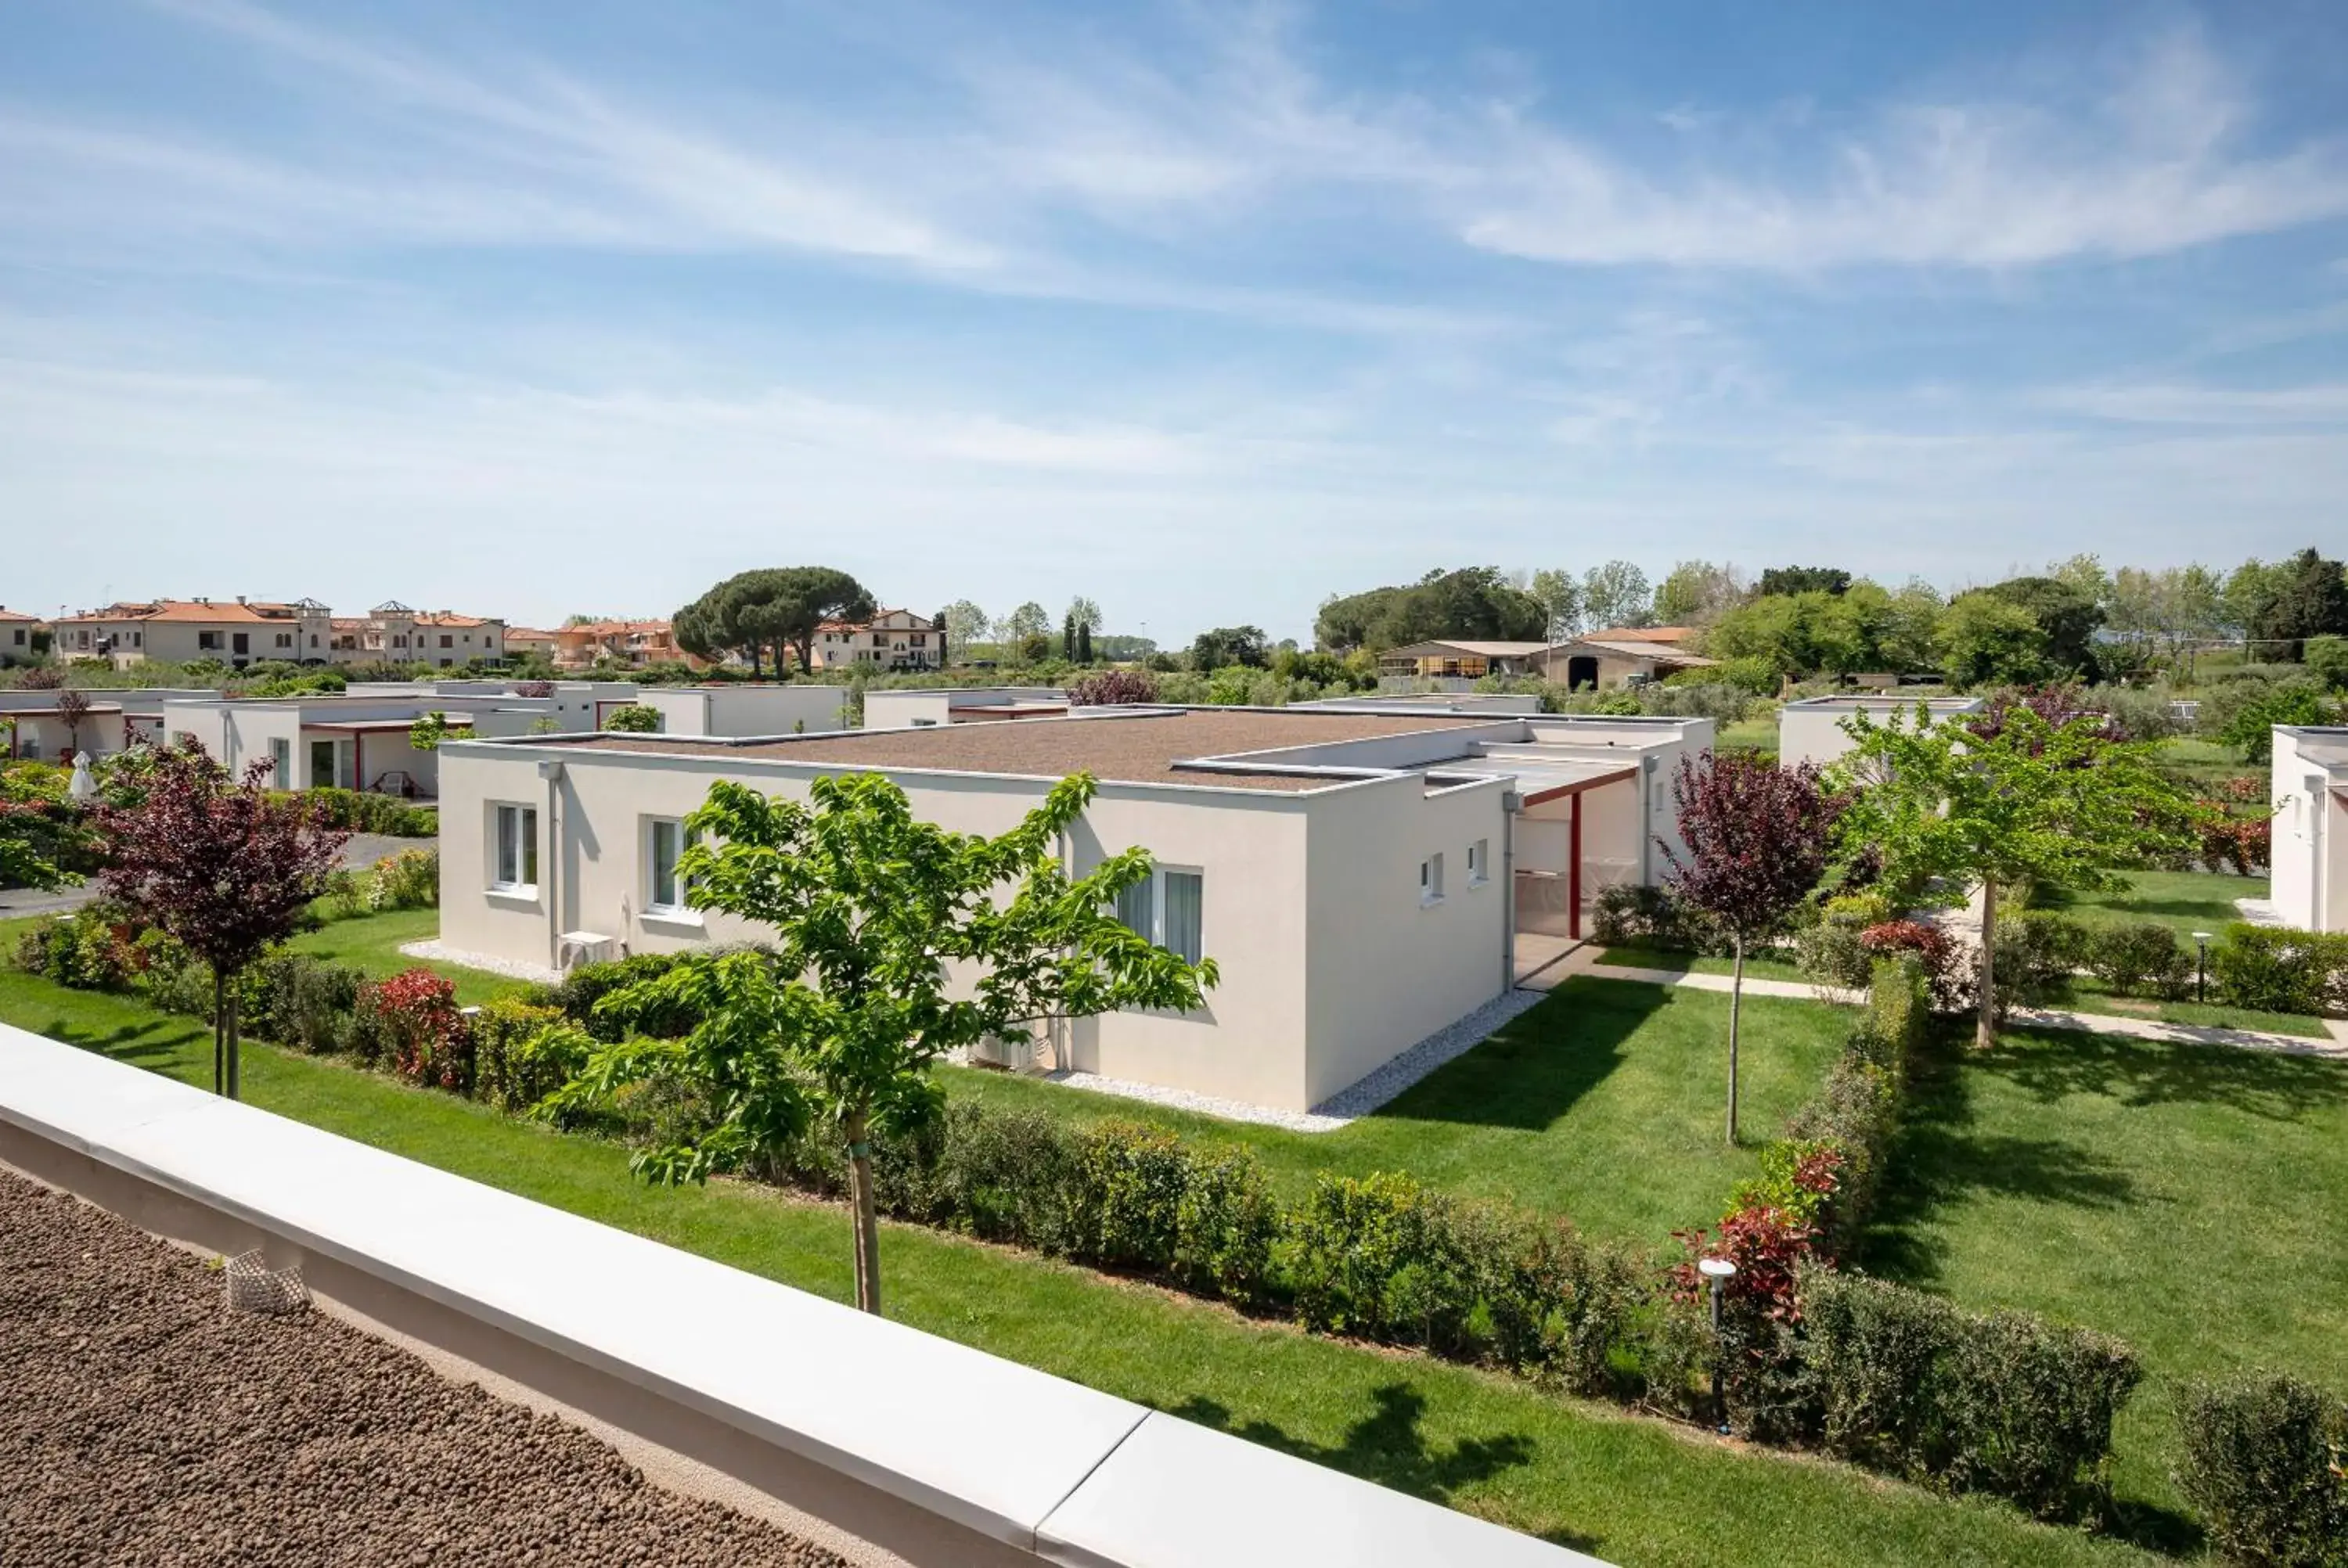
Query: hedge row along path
{"points": [[1584, 960], [1634, 1490]]}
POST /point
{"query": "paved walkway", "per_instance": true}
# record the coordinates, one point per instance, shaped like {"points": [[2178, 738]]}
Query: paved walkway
{"points": [[363, 851], [1583, 960]]}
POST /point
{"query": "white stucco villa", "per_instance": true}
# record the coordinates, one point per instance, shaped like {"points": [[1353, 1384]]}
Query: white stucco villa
{"points": [[1364, 879], [1809, 729], [2308, 787]]}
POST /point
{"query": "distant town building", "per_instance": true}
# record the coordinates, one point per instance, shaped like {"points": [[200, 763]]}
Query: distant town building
{"points": [[893, 640], [21, 642], [246, 631], [633, 642]]}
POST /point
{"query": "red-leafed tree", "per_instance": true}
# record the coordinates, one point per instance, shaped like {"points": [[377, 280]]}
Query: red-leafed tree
{"points": [[1111, 687], [73, 713], [1757, 837], [220, 866]]}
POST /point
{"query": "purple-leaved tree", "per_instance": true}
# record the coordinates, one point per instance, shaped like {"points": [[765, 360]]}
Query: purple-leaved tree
{"points": [[1757, 838], [220, 866]]}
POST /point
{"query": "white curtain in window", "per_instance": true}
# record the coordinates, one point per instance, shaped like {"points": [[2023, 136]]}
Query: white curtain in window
{"points": [[1185, 895], [1136, 909]]}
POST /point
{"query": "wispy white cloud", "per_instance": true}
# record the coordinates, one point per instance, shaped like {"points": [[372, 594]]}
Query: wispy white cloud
{"points": [[2153, 164], [2201, 403]]}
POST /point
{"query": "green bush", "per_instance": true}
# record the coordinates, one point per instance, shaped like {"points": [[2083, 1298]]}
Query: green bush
{"points": [[298, 1000], [1378, 1258], [635, 718], [1637, 915], [1855, 1111], [1832, 952], [2272, 969], [408, 880], [364, 811], [1131, 1180], [88, 951], [521, 1054], [2265, 1468], [2326, 659], [2139, 957], [580, 992], [1226, 1224], [2006, 1404], [2036, 954]]}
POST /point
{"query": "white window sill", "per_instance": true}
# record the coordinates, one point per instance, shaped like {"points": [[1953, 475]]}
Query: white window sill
{"points": [[1476, 883], [1430, 901], [680, 919], [519, 894]]}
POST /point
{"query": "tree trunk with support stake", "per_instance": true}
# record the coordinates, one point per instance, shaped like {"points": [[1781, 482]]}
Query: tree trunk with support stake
{"points": [[220, 1035], [868, 1225], [1736, 1010], [1985, 1021], [234, 1086]]}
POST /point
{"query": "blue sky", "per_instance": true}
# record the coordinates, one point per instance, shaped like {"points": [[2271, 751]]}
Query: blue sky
{"points": [[1204, 311]]}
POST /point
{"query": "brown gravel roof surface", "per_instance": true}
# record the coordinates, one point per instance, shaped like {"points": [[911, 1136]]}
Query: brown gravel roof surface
{"points": [[141, 1423], [1139, 749]]}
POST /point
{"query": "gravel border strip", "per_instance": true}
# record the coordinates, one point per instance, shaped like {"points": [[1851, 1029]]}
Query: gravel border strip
{"points": [[511, 969]]}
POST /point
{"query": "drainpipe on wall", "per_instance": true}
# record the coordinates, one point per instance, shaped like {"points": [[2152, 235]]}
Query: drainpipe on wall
{"points": [[549, 865], [1511, 803], [1647, 819]]}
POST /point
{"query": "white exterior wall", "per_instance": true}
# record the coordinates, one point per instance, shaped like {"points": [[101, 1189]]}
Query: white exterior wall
{"points": [[2310, 854], [801, 709], [1813, 733], [1329, 965], [44, 737], [1385, 969]]}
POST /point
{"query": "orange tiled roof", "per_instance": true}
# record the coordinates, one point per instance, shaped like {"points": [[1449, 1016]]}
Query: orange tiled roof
{"points": [[8, 614], [188, 609], [448, 617]]}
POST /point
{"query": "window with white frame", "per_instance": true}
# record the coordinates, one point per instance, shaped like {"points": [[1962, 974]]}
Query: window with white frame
{"points": [[513, 862], [665, 841], [1169, 906], [280, 763], [1480, 863], [1430, 879]]}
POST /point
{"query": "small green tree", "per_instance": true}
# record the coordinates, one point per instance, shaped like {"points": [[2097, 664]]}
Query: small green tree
{"points": [[897, 941], [635, 719], [427, 732], [1948, 809]]}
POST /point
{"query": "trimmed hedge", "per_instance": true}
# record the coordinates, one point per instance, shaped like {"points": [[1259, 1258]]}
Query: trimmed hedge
{"points": [[2274, 970], [2004, 1403], [364, 810], [2266, 1466]]}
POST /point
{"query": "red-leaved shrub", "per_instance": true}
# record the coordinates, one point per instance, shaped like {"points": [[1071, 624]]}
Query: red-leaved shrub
{"points": [[430, 1042], [1945, 970]]}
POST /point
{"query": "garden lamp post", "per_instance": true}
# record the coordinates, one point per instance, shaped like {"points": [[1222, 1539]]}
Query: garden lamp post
{"points": [[2201, 966], [1719, 1271]]}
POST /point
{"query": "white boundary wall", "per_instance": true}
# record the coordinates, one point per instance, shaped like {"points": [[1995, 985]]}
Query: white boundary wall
{"points": [[940, 1453]]}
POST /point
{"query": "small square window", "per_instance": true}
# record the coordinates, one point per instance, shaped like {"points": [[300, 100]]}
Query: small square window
{"points": [[514, 867], [664, 845]]}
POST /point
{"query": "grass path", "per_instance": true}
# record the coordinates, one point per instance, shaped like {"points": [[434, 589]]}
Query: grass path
{"points": [[1635, 1492]]}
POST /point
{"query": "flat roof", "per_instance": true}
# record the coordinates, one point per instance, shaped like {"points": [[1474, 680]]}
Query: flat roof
{"points": [[1127, 746], [1886, 700]]}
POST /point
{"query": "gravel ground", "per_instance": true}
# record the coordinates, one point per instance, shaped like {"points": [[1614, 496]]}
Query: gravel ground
{"points": [[141, 1423]]}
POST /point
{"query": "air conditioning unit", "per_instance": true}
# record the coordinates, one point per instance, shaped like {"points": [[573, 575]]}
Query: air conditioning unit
{"points": [[573, 948], [1017, 1055]]}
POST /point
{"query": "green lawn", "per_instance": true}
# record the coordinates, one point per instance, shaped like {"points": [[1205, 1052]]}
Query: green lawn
{"points": [[2183, 1197], [1757, 965], [2184, 901], [1749, 734], [1603, 1104], [1635, 1492], [372, 942]]}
